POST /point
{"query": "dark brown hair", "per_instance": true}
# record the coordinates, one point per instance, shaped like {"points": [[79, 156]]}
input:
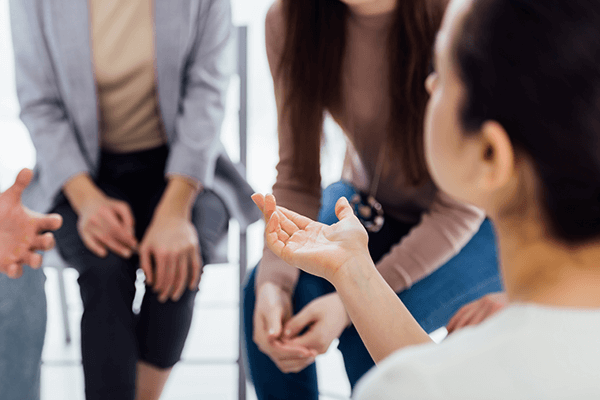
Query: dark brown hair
{"points": [[532, 66], [311, 66]]}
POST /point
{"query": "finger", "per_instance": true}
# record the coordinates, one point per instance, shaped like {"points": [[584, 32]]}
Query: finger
{"points": [[125, 215], [270, 206], [454, 319], [299, 220], [272, 236], [146, 264], [181, 280], [124, 236], [479, 316], [50, 222], [464, 318], [43, 242], [457, 317], [311, 340], [290, 351], [343, 209], [23, 179], [115, 246], [159, 270], [299, 322], [286, 224], [94, 245], [14, 271], [196, 266], [170, 271], [259, 200], [294, 366], [33, 259], [485, 313], [282, 235], [273, 323]]}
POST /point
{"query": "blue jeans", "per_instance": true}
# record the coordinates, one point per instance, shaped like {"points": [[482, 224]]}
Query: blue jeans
{"points": [[469, 275], [22, 331]]}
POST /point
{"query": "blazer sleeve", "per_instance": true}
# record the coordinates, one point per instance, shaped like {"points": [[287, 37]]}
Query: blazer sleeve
{"points": [[196, 144], [42, 109]]}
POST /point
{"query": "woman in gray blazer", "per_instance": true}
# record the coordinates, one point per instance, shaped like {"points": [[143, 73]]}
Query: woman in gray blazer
{"points": [[124, 103]]}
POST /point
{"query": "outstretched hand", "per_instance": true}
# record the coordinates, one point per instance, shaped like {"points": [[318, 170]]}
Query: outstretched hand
{"points": [[313, 247], [22, 231]]}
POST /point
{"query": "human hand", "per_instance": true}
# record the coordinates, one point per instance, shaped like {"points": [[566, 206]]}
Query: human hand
{"points": [[172, 243], [22, 230], [318, 324], [313, 247], [273, 308], [106, 224], [477, 311]]}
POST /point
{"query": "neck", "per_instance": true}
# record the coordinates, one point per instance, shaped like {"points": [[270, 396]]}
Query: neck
{"points": [[538, 269], [372, 7]]}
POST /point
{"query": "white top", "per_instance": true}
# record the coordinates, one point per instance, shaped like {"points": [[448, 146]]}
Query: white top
{"points": [[525, 352]]}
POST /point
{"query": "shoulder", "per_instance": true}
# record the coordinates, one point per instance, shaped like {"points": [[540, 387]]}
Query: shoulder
{"points": [[450, 370]]}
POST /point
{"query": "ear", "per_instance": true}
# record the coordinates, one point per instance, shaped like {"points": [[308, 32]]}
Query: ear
{"points": [[497, 156]]}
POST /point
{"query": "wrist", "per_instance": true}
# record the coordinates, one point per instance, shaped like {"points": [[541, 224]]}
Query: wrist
{"points": [[80, 190], [178, 199], [355, 272]]}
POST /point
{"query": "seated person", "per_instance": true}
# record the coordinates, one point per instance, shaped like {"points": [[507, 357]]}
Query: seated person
{"points": [[513, 127], [124, 102]]}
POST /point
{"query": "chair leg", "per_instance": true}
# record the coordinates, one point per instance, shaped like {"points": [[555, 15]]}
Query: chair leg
{"points": [[243, 268], [63, 303]]}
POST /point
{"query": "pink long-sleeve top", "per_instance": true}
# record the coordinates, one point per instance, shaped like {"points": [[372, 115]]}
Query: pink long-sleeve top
{"points": [[443, 226]]}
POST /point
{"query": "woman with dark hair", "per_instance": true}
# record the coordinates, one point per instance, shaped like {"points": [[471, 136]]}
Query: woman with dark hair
{"points": [[363, 62], [512, 126]]}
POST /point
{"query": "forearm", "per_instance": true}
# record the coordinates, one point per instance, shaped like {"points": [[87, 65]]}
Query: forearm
{"points": [[179, 197], [79, 190], [383, 322]]}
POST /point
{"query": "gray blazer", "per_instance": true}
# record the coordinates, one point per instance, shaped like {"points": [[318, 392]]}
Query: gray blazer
{"points": [[57, 92]]}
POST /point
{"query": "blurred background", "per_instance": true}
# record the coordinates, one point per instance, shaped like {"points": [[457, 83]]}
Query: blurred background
{"points": [[208, 369]]}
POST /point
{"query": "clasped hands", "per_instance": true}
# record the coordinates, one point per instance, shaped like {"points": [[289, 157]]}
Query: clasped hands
{"points": [[169, 250], [293, 341]]}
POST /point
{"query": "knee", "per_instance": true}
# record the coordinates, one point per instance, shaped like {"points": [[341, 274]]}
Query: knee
{"points": [[109, 273]]}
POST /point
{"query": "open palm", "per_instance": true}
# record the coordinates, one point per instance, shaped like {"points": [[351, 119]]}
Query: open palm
{"points": [[313, 247]]}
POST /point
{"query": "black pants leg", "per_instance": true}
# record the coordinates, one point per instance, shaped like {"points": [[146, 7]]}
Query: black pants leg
{"points": [[113, 338], [108, 341]]}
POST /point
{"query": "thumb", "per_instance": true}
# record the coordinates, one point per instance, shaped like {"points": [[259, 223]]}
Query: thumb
{"points": [[22, 181], [299, 322], [273, 323], [343, 209]]}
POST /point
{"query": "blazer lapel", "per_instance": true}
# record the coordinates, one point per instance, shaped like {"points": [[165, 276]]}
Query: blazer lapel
{"points": [[171, 22], [70, 27]]}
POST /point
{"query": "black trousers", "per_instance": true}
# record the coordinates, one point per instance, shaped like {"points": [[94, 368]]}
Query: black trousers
{"points": [[113, 338]]}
